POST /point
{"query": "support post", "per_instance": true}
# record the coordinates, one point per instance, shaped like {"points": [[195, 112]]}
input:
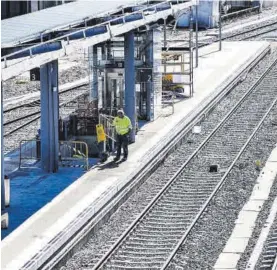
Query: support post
{"points": [[165, 43], [49, 116], [2, 156], [93, 75], [191, 48], [220, 27], [154, 83], [130, 94], [196, 35]]}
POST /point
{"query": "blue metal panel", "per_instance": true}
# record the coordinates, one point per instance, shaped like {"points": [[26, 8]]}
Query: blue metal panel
{"points": [[129, 18], [163, 7], [96, 31], [208, 13], [133, 17], [130, 94], [48, 47], [89, 32], [94, 85], [49, 116]]}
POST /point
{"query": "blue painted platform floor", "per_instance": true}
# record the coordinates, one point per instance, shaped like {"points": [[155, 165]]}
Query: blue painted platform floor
{"points": [[31, 189]]}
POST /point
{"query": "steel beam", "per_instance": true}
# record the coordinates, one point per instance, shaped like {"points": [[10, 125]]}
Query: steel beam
{"points": [[130, 92], [49, 116]]}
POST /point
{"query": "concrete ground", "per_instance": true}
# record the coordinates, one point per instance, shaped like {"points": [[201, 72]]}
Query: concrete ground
{"points": [[91, 191]]}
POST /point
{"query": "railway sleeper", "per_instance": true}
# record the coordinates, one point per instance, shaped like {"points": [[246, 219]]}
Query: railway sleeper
{"points": [[115, 263], [157, 214], [144, 250], [168, 225], [144, 257], [182, 218], [155, 231], [161, 229], [172, 209], [154, 239], [198, 192], [117, 267], [133, 253], [158, 235]]}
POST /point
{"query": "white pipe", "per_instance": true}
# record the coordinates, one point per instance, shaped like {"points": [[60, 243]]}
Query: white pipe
{"points": [[7, 191]]}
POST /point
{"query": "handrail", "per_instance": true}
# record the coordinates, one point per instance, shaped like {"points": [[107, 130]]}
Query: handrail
{"points": [[83, 156], [239, 12], [107, 24], [36, 155]]}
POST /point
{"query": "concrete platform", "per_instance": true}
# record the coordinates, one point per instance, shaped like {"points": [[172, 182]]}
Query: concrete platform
{"points": [[216, 71]]}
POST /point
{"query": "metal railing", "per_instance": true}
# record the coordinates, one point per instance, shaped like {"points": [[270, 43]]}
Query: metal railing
{"points": [[107, 122], [29, 151], [238, 13], [168, 100], [73, 154]]}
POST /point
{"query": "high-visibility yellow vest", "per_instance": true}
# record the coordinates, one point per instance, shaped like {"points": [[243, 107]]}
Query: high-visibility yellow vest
{"points": [[122, 125]]}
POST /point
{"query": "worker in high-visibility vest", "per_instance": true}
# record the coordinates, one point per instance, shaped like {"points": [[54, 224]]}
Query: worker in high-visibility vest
{"points": [[123, 127]]}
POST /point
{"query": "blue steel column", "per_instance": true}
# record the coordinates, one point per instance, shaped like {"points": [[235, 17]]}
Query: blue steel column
{"points": [[94, 78], [49, 116], [149, 85], [130, 94]]}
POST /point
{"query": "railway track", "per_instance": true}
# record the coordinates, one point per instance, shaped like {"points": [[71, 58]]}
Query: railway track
{"points": [[23, 115], [151, 241], [269, 258], [251, 33], [237, 35]]}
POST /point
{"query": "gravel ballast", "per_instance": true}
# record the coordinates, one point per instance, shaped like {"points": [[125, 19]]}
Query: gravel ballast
{"points": [[210, 235]]}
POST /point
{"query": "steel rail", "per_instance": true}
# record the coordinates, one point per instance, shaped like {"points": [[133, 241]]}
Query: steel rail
{"points": [[21, 126], [33, 120], [38, 99], [21, 118], [210, 41], [248, 31], [136, 222], [243, 11], [259, 34], [274, 267]]}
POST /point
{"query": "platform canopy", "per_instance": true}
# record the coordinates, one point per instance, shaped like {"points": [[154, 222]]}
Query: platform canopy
{"points": [[30, 26], [115, 18]]}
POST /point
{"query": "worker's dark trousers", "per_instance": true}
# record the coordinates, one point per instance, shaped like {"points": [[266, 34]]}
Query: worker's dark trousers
{"points": [[122, 141]]}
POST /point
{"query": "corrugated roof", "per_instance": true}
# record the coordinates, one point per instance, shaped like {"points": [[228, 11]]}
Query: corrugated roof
{"points": [[28, 26]]}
